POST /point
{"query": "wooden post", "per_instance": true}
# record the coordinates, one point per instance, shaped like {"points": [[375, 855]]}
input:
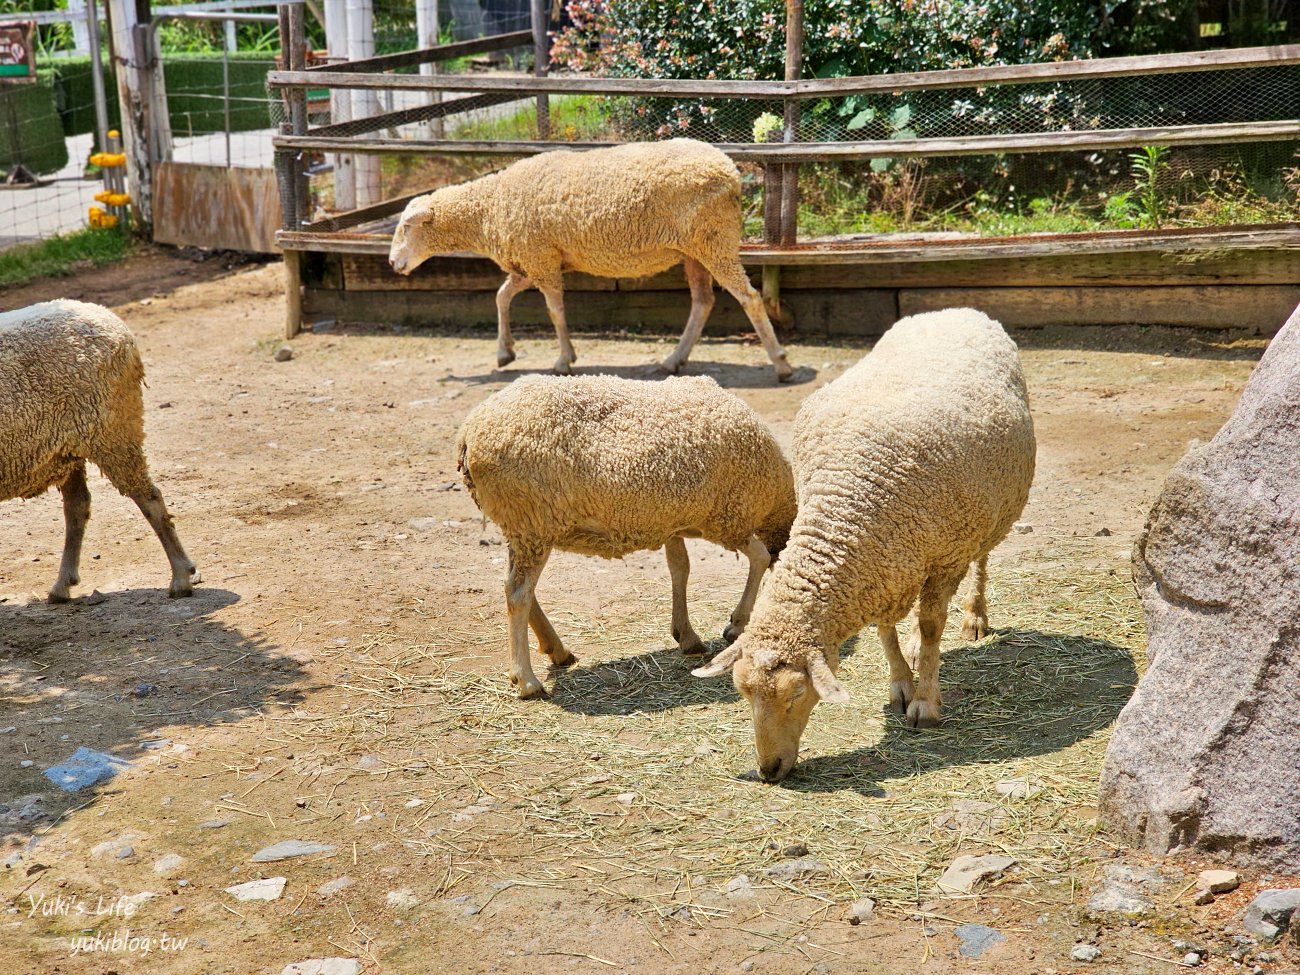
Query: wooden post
{"points": [[541, 61], [793, 71], [336, 46], [133, 88], [292, 293], [297, 44]]}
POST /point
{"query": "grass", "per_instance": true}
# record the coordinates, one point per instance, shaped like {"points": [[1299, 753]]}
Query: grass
{"points": [[62, 255], [574, 118], [633, 777]]}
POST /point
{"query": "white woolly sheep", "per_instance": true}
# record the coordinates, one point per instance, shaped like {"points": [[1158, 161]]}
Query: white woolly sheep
{"points": [[909, 468], [605, 466], [628, 211], [70, 380]]}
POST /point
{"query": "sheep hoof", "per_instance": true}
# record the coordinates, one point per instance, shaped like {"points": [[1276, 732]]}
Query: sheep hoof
{"points": [[922, 714], [784, 372], [180, 590], [668, 368], [732, 633], [562, 367], [974, 628], [694, 648], [505, 358], [529, 688], [58, 596], [901, 695], [561, 658]]}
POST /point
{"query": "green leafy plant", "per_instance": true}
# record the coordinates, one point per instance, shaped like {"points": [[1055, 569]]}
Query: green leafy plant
{"points": [[63, 254], [1148, 166]]}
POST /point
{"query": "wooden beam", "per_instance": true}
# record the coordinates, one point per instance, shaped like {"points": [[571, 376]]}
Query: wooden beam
{"points": [[428, 55], [890, 249], [979, 145], [1010, 74]]}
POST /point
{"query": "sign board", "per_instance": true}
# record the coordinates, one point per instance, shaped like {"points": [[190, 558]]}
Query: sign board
{"points": [[17, 51]]}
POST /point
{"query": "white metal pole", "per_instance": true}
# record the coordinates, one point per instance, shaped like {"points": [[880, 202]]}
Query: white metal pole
{"points": [[336, 46], [361, 44], [80, 32], [427, 34]]}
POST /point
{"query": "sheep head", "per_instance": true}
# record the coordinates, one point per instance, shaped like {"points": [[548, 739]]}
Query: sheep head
{"points": [[427, 227], [782, 689]]}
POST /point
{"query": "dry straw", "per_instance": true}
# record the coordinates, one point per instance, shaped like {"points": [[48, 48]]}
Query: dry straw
{"points": [[631, 777]]}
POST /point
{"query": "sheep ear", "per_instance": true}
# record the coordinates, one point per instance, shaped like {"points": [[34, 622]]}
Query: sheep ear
{"points": [[823, 681], [719, 664]]}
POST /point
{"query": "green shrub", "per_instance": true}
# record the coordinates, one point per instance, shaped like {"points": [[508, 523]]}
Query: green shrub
{"points": [[29, 127], [194, 92]]}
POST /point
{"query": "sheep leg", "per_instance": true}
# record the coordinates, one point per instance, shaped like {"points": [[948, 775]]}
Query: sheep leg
{"points": [[521, 581], [975, 624], [679, 568], [514, 284], [184, 576], [902, 689], [701, 284], [731, 275], [931, 617], [548, 641], [553, 291], [759, 560], [76, 512]]}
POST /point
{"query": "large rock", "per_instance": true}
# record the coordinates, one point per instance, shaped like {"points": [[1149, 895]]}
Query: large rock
{"points": [[1204, 755]]}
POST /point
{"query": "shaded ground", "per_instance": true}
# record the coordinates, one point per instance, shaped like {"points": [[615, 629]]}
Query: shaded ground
{"points": [[339, 677]]}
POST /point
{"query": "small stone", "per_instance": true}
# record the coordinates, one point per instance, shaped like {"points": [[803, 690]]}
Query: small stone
{"points": [[795, 850], [1192, 959], [625, 798], [801, 869], [1085, 953], [1021, 788], [1023, 527], [1101, 533], [1270, 913], [747, 965], [976, 939], [144, 689], [283, 354], [215, 824], [402, 899], [267, 889], [331, 887], [1218, 881], [167, 865], [1203, 897], [369, 761], [324, 966], [861, 910], [300, 802], [412, 803], [680, 913], [130, 904], [26, 763], [290, 848], [965, 873], [125, 853], [739, 886]]}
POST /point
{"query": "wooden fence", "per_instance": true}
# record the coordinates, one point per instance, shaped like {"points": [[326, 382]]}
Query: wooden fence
{"points": [[364, 231]]}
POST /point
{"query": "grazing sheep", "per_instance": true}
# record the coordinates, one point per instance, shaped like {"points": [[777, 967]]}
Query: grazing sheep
{"points": [[910, 467], [628, 211], [605, 466], [70, 378]]}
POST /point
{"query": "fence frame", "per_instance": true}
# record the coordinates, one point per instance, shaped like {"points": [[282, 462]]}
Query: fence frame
{"points": [[782, 246]]}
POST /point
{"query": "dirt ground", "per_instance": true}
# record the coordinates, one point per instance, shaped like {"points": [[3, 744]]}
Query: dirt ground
{"points": [[339, 678]]}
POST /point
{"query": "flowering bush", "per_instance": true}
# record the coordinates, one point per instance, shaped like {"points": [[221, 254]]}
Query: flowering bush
{"points": [[745, 39]]}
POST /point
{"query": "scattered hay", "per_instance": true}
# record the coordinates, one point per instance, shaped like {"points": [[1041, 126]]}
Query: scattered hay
{"points": [[630, 777]]}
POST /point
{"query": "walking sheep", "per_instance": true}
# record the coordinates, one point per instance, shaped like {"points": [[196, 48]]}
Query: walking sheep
{"points": [[910, 467], [605, 466], [70, 378], [628, 211]]}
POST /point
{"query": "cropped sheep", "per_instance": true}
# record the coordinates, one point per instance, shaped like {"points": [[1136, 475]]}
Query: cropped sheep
{"points": [[910, 467], [70, 379], [605, 466], [628, 211]]}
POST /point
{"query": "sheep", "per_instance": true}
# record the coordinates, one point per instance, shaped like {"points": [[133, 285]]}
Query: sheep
{"points": [[910, 467], [628, 211], [70, 392], [605, 466]]}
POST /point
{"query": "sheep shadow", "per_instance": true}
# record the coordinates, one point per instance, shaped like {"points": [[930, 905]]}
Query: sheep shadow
{"points": [[728, 375], [105, 672], [647, 683], [1017, 694]]}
